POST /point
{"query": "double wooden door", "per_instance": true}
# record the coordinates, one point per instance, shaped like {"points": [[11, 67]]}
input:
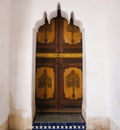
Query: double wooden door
{"points": [[59, 66]]}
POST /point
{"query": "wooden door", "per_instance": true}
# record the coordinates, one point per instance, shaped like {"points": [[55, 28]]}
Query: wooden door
{"points": [[59, 66]]}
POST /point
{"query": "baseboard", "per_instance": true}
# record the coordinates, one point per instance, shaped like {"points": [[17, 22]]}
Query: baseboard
{"points": [[98, 123], [4, 126], [113, 125], [18, 123]]}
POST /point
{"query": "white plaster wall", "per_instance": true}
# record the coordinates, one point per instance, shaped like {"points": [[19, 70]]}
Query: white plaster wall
{"points": [[113, 24], [5, 16], [92, 15]]}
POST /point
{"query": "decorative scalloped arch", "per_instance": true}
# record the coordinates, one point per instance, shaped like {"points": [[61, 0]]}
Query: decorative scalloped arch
{"points": [[41, 22]]}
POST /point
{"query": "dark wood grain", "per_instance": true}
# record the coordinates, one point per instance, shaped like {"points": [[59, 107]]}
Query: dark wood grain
{"points": [[58, 102]]}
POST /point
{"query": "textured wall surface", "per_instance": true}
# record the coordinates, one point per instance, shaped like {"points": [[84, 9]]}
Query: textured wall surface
{"points": [[90, 16], [98, 123], [99, 22], [29, 15], [5, 23], [114, 56]]}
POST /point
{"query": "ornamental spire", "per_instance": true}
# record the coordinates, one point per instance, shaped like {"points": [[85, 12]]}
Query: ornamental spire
{"points": [[45, 16], [59, 10], [72, 17]]}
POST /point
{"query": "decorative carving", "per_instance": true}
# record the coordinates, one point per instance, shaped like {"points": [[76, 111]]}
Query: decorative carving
{"points": [[72, 34], [45, 81], [46, 33], [72, 81], [72, 29]]}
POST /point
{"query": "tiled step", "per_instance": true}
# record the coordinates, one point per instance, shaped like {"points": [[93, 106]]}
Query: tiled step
{"points": [[57, 117], [59, 126], [59, 121]]}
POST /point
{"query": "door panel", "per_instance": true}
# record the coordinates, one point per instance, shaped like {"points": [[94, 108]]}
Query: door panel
{"points": [[71, 33], [46, 33], [72, 38], [45, 83], [46, 37], [72, 83]]}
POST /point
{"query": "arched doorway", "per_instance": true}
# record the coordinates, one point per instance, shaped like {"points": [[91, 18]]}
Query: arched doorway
{"points": [[59, 66]]}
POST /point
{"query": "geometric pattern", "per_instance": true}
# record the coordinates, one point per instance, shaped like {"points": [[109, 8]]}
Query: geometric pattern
{"points": [[59, 121], [59, 117], [59, 126]]}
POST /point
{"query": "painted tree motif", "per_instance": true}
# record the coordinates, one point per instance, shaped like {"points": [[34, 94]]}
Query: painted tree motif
{"points": [[72, 81], [44, 82]]}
